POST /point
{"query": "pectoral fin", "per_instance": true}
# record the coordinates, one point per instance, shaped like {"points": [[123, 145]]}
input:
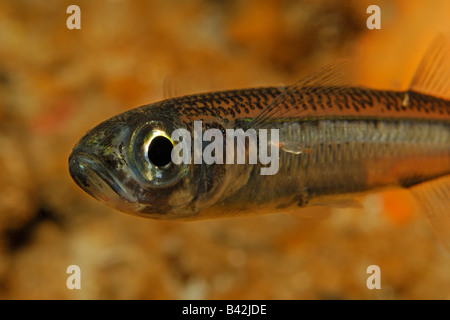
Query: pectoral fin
{"points": [[293, 147], [434, 199], [169, 88], [328, 80]]}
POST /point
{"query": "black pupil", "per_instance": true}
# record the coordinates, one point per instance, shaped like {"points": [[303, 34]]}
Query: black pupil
{"points": [[160, 151]]}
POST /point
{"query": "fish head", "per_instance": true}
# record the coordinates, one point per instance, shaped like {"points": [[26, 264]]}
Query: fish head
{"points": [[125, 162]]}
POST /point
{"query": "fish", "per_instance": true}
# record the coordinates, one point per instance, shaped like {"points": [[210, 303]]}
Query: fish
{"points": [[336, 141]]}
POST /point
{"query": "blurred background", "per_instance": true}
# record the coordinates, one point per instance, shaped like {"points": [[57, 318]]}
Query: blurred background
{"points": [[57, 83]]}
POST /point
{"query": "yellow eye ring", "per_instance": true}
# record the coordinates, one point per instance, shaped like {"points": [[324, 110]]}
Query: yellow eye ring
{"points": [[150, 155], [157, 148]]}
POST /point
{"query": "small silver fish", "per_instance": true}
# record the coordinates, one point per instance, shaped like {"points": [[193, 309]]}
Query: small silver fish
{"points": [[334, 140]]}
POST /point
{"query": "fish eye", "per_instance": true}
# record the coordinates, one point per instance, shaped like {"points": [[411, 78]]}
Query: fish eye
{"points": [[157, 148], [150, 151], [160, 151]]}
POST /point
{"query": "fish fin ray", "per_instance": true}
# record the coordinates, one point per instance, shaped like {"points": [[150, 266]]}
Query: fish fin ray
{"points": [[329, 79], [432, 76], [313, 212], [169, 89], [433, 198]]}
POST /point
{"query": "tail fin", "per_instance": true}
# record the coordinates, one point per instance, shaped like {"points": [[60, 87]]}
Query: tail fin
{"points": [[433, 78]]}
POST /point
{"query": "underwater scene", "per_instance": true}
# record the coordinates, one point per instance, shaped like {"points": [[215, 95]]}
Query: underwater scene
{"points": [[94, 206]]}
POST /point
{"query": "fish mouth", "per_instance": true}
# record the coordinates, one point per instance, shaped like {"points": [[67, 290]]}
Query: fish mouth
{"points": [[93, 177]]}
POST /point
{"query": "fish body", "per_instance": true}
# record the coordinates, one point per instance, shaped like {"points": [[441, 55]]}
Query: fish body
{"points": [[362, 139], [334, 140]]}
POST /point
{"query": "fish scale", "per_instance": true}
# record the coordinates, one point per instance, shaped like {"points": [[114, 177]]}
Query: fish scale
{"points": [[353, 101]]}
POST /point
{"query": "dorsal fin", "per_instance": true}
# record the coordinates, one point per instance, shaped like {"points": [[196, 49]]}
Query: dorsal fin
{"points": [[432, 76]]}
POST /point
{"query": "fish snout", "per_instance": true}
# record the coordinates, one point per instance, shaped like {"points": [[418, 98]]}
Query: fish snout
{"points": [[91, 175]]}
